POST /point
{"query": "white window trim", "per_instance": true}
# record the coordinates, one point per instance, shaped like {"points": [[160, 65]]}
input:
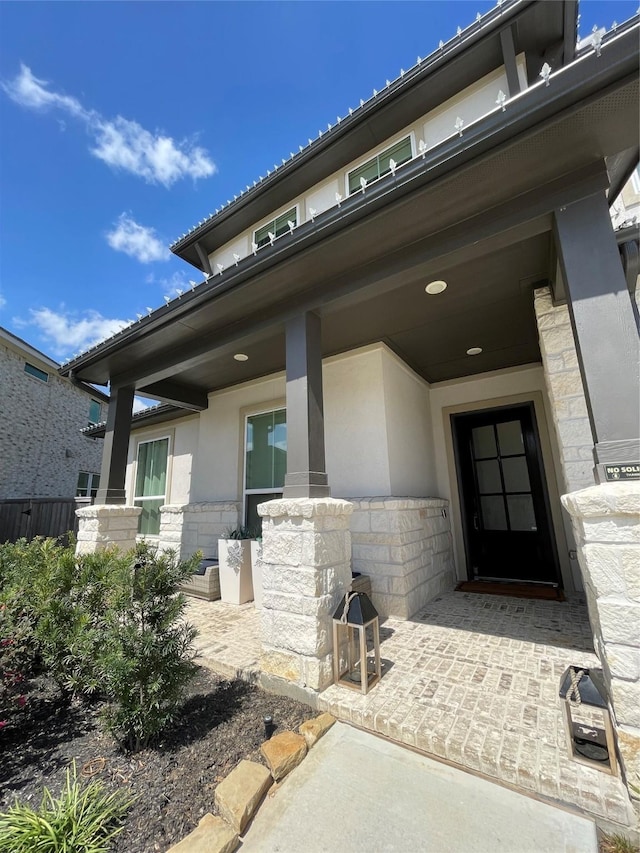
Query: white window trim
{"points": [[273, 491], [275, 216], [90, 475], [169, 436], [376, 153]]}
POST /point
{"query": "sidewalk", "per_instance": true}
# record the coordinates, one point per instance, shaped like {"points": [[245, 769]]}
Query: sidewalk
{"points": [[356, 792]]}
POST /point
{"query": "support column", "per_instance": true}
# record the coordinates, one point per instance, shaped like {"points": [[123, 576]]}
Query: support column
{"points": [[604, 329], [605, 520], [116, 445], [306, 558], [306, 476]]}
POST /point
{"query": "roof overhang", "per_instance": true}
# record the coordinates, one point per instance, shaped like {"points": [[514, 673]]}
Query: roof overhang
{"points": [[544, 31], [498, 183]]}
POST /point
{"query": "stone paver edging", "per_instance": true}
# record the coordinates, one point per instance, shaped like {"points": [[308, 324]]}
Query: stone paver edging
{"points": [[239, 795]]}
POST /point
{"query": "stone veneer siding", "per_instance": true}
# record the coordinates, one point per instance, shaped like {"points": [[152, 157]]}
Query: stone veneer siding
{"points": [[197, 527], [404, 545], [101, 526], [41, 447], [565, 390], [606, 520], [306, 552]]}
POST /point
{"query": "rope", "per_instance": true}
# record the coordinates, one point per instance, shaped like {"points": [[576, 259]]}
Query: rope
{"points": [[573, 694], [348, 598]]}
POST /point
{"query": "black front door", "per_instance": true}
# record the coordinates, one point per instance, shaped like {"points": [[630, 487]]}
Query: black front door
{"points": [[505, 508]]}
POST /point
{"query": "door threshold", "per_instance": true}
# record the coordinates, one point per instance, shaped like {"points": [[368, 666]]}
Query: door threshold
{"points": [[516, 590]]}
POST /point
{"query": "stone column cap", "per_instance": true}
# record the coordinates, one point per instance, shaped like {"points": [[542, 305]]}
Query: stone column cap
{"points": [[304, 507], [108, 511], [605, 499]]}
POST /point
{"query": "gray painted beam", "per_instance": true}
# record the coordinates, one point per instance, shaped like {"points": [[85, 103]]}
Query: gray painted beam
{"points": [[509, 59], [116, 445], [204, 259], [604, 326], [178, 395], [306, 477]]}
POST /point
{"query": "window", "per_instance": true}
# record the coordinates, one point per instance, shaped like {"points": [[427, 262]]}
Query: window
{"points": [[88, 485], [94, 412], [379, 165], [277, 226], [35, 371], [265, 461], [151, 483]]}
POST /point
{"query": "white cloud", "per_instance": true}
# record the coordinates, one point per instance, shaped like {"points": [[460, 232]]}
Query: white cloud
{"points": [[119, 142], [68, 332], [141, 403], [137, 241], [3, 301], [124, 144]]}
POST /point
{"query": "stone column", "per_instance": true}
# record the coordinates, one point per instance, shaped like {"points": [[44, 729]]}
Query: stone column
{"points": [[102, 526], [306, 555], [606, 520], [187, 528]]}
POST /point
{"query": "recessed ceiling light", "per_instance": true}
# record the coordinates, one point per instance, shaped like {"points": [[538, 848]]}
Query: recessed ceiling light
{"points": [[474, 351], [240, 356], [436, 287]]}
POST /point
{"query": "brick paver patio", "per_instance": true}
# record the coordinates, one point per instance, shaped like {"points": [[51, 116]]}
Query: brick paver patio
{"points": [[472, 679]]}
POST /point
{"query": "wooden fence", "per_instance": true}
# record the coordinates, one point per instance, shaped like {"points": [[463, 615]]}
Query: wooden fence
{"points": [[29, 517]]}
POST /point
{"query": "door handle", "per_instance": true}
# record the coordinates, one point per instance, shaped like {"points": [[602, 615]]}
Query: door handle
{"points": [[476, 521]]}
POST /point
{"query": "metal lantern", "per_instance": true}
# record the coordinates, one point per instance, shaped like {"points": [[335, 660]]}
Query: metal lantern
{"points": [[585, 712], [356, 643]]}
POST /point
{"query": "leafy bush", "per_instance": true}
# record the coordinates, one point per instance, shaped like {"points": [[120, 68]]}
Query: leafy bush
{"points": [[147, 651], [82, 820], [74, 595]]}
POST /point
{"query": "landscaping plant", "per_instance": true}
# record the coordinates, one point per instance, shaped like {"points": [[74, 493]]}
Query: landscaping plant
{"points": [[83, 819], [147, 652]]}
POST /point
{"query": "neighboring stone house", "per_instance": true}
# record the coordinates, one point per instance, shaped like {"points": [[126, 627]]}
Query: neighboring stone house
{"points": [[428, 309], [42, 450]]}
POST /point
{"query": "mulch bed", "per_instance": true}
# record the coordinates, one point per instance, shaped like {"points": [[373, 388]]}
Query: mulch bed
{"points": [[220, 723]]}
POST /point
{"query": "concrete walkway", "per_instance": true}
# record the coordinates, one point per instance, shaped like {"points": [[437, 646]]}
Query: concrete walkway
{"points": [[355, 792]]}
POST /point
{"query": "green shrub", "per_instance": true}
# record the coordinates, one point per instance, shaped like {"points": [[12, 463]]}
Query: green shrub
{"points": [[74, 595], [147, 651], [83, 819]]}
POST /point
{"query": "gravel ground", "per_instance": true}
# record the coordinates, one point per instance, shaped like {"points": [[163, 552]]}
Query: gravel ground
{"points": [[220, 723]]}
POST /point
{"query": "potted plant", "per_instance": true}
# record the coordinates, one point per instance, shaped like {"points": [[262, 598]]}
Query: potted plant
{"points": [[234, 556]]}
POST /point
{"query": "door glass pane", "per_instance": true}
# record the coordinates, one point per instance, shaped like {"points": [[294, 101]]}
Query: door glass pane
{"points": [[516, 475], [510, 438], [484, 442], [253, 520], [489, 476], [521, 514], [493, 514]]}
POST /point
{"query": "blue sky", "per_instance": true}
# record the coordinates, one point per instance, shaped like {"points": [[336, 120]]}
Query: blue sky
{"points": [[125, 123]]}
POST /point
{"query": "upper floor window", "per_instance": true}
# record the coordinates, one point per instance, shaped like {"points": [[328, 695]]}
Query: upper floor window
{"points": [[378, 166], [151, 483], [277, 227], [94, 412], [35, 371]]}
